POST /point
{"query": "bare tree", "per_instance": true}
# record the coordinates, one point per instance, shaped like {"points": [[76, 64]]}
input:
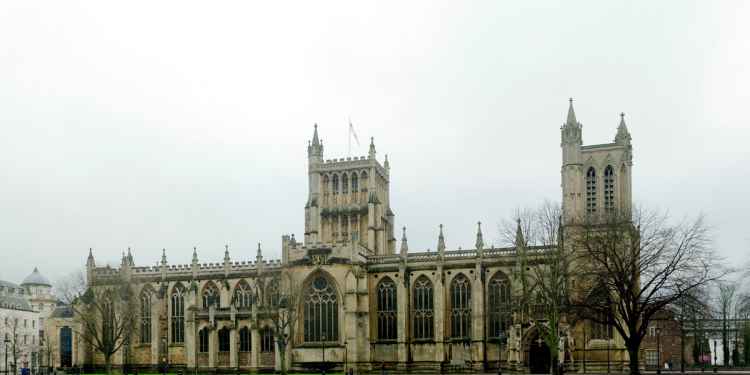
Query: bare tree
{"points": [[70, 287], [278, 303], [544, 297], [106, 315], [12, 330], [727, 294], [644, 264], [688, 309]]}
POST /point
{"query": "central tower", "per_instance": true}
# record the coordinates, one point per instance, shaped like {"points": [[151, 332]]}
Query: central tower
{"points": [[348, 201]]}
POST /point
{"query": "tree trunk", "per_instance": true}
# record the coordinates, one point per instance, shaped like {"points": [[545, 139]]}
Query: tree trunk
{"points": [[553, 363], [633, 354], [108, 364], [282, 358]]}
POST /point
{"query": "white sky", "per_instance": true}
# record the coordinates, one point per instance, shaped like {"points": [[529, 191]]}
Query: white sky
{"points": [[170, 124]]}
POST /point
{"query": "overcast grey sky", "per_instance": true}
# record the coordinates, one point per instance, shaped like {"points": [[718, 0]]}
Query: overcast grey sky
{"points": [[170, 124]]}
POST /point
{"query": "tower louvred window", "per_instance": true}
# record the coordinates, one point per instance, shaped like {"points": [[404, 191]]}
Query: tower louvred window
{"points": [[591, 190], [609, 188]]}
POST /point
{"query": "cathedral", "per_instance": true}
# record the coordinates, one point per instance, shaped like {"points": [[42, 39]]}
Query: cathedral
{"points": [[364, 299]]}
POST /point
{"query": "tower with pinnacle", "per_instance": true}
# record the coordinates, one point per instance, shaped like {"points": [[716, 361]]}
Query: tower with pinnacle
{"points": [[348, 201], [596, 179]]}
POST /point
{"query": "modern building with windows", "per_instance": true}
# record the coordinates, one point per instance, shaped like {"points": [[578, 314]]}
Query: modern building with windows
{"points": [[364, 299], [23, 310]]}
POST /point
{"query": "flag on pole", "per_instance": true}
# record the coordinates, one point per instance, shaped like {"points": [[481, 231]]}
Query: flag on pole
{"points": [[352, 132]]}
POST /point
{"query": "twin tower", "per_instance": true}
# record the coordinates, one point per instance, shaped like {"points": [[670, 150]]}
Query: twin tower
{"points": [[348, 203]]}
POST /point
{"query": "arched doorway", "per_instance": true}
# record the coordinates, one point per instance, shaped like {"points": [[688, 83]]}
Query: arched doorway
{"points": [[66, 347], [539, 356]]}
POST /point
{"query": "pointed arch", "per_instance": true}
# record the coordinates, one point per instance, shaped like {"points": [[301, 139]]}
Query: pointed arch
{"points": [[210, 295], [499, 303], [272, 293], [460, 307], [344, 183], [245, 339], [363, 181], [326, 184], [177, 313], [145, 309], [591, 190], [355, 183], [203, 340], [423, 314], [320, 309], [242, 295], [609, 189], [387, 310], [266, 340], [335, 183], [223, 334]]}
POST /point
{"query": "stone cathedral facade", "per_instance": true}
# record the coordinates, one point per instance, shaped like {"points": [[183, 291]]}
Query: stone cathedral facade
{"points": [[366, 300]]}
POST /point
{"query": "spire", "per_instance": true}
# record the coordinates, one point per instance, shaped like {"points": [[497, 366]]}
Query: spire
{"points": [[315, 148], [130, 258], [315, 140], [371, 154], [623, 136], [386, 165], [571, 114], [195, 254], [520, 241], [260, 253], [480, 240], [404, 244], [441, 241], [226, 253], [90, 260], [163, 257]]}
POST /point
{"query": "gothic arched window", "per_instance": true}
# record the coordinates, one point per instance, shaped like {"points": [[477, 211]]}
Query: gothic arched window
{"points": [[387, 310], [355, 183], [178, 314], [210, 295], [203, 340], [423, 305], [272, 293], [243, 295], [335, 184], [591, 191], [245, 339], [146, 316], [344, 183], [499, 304], [266, 340], [321, 315], [363, 181], [224, 339], [609, 188], [326, 184], [460, 307]]}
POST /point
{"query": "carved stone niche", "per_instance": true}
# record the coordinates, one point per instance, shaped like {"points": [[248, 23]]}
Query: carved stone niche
{"points": [[318, 256]]}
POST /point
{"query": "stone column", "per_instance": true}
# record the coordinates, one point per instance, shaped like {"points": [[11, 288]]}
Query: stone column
{"points": [[191, 332], [478, 318], [213, 346], [155, 307], [233, 349], [402, 301], [254, 349], [440, 318]]}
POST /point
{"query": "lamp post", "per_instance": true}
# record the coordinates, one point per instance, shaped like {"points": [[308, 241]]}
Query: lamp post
{"points": [[584, 347], [658, 350], [609, 339], [715, 358], [323, 367], [500, 338], [6, 342]]}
